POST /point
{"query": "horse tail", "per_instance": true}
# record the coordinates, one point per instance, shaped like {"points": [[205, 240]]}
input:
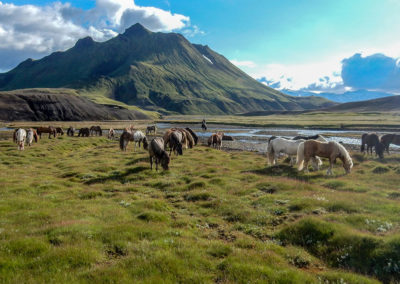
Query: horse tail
{"points": [[270, 153], [300, 156], [363, 142]]}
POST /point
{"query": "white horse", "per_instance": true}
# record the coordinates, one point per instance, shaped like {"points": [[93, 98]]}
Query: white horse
{"points": [[29, 137], [288, 147], [20, 137], [139, 137], [331, 150]]}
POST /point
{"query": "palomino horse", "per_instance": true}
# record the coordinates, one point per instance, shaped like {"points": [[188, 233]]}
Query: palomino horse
{"points": [[71, 131], [20, 137], [31, 134], [215, 140], [150, 129], [59, 131], [137, 137], [289, 147], [372, 140], [51, 130], [84, 132], [158, 153], [331, 150], [111, 133], [388, 139], [96, 130]]}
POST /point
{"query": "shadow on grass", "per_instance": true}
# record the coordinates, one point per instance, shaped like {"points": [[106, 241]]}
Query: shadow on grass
{"points": [[287, 171], [117, 176], [138, 160]]}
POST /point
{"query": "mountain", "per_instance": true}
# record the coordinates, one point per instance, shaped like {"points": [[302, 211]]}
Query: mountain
{"points": [[387, 104], [154, 71], [60, 104], [351, 96]]}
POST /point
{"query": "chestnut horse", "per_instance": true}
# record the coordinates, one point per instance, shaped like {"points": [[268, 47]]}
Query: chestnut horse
{"points": [[331, 150], [51, 130], [158, 153], [215, 140], [372, 140]]}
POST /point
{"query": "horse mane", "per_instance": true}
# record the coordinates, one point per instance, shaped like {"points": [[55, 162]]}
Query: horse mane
{"points": [[344, 153]]}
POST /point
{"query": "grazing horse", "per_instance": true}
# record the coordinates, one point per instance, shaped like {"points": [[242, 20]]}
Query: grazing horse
{"points": [[204, 125], [195, 137], [71, 131], [215, 140], [84, 132], [372, 140], [187, 138], [139, 137], [157, 152], [388, 139], [96, 130], [289, 147], [124, 139], [175, 142], [51, 130], [20, 137], [111, 133], [31, 134], [150, 129], [331, 150], [318, 137], [59, 131]]}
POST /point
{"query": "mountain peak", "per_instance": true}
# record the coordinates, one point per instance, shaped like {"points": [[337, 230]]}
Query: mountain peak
{"points": [[136, 30], [84, 42]]}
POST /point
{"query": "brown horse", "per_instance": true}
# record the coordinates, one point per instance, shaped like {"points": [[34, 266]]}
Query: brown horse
{"points": [[388, 139], [215, 140], [157, 152], [175, 142], [187, 138], [331, 150], [51, 130], [96, 130], [71, 131], [59, 131], [84, 132], [372, 141], [195, 137], [150, 129]]}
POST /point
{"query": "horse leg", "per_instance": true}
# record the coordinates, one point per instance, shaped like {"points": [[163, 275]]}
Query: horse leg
{"points": [[151, 162], [306, 161], [157, 164]]}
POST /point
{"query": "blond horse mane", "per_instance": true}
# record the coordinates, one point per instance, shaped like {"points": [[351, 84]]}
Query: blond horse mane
{"points": [[346, 156]]}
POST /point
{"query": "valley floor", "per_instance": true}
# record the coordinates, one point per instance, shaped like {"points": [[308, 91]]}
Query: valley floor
{"points": [[80, 210]]}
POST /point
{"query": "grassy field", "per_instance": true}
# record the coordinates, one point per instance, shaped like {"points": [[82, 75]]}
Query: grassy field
{"points": [[79, 210], [376, 120]]}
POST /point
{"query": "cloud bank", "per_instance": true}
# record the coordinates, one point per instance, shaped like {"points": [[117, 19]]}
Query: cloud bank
{"points": [[35, 31]]}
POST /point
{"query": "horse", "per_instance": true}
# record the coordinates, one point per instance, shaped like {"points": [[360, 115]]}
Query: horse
{"points": [[124, 139], [130, 128], [195, 137], [318, 137], [187, 138], [31, 134], [59, 131], [204, 125], [372, 140], [51, 130], [71, 131], [175, 142], [111, 133], [139, 137], [157, 152], [289, 147], [388, 139], [331, 150], [84, 132], [150, 129], [215, 140], [20, 137], [96, 130]]}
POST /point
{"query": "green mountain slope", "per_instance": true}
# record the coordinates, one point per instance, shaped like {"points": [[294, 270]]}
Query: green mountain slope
{"points": [[155, 71]]}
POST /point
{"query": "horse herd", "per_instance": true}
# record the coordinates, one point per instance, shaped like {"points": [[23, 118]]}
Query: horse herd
{"points": [[301, 149]]}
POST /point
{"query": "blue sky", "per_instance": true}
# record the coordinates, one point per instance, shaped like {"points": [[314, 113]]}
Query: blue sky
{"points": [[294, 44]]}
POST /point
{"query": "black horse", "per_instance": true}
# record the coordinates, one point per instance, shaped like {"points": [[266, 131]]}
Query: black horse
{"points": [[372, 141], [204, 125]]}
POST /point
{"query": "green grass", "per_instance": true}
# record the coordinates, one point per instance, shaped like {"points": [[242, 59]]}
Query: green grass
{"points": [[79, 210]]}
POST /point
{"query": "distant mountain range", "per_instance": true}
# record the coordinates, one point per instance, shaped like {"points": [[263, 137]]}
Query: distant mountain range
{"points": [[155, 71], [351, 96], [386, 104]]}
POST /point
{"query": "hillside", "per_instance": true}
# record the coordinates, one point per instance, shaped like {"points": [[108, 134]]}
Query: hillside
{"points": [[61, 105], [387, 104], [155, 71]]}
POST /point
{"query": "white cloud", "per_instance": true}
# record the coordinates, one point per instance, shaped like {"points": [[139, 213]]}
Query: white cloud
{"points": [[244, 63], [35, 31]]}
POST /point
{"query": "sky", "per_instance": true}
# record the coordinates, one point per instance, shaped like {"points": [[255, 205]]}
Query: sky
{"points": [[310, 45]]}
